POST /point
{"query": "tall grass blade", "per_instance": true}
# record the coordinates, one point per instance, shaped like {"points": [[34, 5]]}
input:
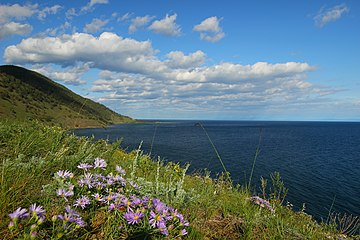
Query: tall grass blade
{"points": [[257, 152], [152, 141], [217, 153]]}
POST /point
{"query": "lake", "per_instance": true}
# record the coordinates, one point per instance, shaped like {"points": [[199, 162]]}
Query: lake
{"points": [[318, 161]]}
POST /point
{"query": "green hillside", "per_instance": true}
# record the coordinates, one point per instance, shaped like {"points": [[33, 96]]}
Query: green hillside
{"points": [[26, 94]]}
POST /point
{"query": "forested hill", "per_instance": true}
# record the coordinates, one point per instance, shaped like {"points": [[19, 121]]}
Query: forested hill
{"points": [[26, 94]]}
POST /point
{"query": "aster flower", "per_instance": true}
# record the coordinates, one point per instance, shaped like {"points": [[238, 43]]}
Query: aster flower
{"points": [[33, 234], [82, 202], [85, 166], [262, 203], [98, 197], [163, 229], [159, 206], [183, 232], [19, 213], [133, 218], [120, 170], [155, 219], [63, 193], [64, 174], [36, 210], [135, 201], [71, 211], [87, 180], [80, 222], [100, 163]]}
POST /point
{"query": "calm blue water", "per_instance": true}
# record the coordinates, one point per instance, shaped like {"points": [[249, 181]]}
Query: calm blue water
{"points": [[318, 161]]}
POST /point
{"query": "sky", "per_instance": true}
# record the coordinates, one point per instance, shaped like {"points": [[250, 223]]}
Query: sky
{"points": [[182, 59]]}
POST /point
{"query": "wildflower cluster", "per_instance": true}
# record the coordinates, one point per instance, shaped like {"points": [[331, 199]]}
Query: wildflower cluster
{"points": [[94, 191], [262, 203], [33, 217]]}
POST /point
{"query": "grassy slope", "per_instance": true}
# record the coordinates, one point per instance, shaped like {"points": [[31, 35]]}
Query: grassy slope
{"points": [[30, 153], [26, 95]]}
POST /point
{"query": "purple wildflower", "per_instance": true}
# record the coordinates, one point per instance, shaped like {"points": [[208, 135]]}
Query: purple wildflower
{"points": [[63, 193], [120, 180], [98, 197], [36, 210], [85, 166], [82, 202], [70, 215], [133, 218], [155, 219], [183, 232], [87, 180], [80, 222], [33, 234], [100, 163], [11, 225], [163, 229], [19, 213], [64, 174], [71, 211], [120, 170], [66, 217], [111, 207], [261, 202], [110, 180], [136, 201]]}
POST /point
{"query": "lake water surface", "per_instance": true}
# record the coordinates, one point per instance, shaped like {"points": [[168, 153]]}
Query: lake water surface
{"points": [[318, 161]]}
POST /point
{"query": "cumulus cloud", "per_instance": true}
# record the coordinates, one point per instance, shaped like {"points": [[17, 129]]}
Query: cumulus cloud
{"points": [[13, 28], [48, 10], [210, 29], [133, 76], [139, 22], [166, 26], [210, 89], [95, 26], [16, 11], [328, 15], [90, 4], [108, 51], [177, 59], [69, 75]]}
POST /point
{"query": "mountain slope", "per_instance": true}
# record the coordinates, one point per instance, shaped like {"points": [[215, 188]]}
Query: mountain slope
{"points": [[26, 94]]}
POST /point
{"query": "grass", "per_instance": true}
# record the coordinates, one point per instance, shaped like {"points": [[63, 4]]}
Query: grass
{"points": [[30, 154]]}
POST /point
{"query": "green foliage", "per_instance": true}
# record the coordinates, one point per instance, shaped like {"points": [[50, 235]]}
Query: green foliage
{"points": [[27, 95], [30, 153]]}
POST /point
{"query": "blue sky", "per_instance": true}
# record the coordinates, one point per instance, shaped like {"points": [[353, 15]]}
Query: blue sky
{"points": [[182, 59]]}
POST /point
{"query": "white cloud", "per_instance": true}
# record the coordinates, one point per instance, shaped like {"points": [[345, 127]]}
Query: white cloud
{"points": [[90, 4], [137, 79], [16, 11], [68, 75], [166, 26], [330, 15], [177, 59], [48, 10], [58, 30], [125, 17], [139, 22], [95, 26], [210, 29], [70, 13], [108, 51], [13, 28], [216, 88]]}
